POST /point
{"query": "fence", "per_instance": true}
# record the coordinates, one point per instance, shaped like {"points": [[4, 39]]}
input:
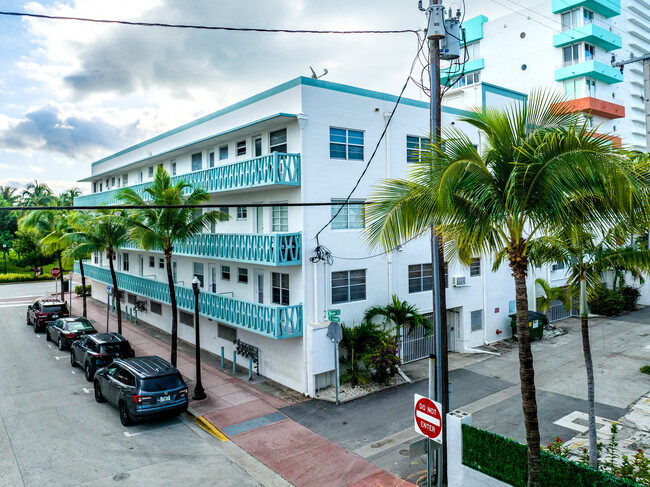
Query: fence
{"points": [[557, 311], [415, 345]]}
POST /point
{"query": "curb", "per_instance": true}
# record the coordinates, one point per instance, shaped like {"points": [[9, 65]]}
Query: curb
{"points": [[206, 425]]}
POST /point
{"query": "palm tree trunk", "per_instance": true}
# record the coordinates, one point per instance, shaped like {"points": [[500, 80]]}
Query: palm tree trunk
{"points": [[83, 286], [58, 254], [116, 292], [172, 297], [589, 366], [519, 265]]}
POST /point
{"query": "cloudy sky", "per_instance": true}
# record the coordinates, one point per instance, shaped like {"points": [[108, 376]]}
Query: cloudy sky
{"points": [[74, 92]]}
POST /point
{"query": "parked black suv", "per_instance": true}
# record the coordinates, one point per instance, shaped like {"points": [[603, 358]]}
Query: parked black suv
{"points": [[96, 351], [142, 388], [45, 311]]}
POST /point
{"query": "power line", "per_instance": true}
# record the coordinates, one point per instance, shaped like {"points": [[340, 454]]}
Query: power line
{"points": [[206, 27]]}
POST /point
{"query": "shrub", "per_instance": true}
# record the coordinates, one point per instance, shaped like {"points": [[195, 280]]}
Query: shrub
{"points": [[357, 342], [23, 277], [384, 359], [80, 291], [631, 297], [645, 369], [607, 302]]}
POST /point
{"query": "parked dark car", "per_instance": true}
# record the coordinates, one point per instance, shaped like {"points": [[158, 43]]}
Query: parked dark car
{"points": [[142, 388], [45, 311], [64, 331], [96, 351]]}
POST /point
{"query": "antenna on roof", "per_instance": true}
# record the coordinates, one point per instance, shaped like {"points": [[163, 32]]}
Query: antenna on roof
{"points": [[313, 73]]}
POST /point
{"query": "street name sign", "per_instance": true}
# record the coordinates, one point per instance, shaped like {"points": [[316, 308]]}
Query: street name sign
{"points": [[333, 315], [428, 418], [55, 272]]}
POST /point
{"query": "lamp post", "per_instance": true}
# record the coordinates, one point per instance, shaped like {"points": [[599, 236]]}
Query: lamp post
{"points": [[4, 253], [70, 287], [199, 392]]}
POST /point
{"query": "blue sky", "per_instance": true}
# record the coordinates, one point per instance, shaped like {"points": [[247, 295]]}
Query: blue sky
{"points": [[72, 93]]}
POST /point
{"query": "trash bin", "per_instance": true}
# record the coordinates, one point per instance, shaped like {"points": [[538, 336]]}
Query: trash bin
{"points": [[66, 285], [536, 324]]}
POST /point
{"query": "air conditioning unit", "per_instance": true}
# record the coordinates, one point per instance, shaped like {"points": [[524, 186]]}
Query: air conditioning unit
{"points": [[459, 281]]}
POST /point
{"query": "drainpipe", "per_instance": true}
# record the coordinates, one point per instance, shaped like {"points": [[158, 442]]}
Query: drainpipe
{"points": [[302, 122], [485, 313], [387, 175]]}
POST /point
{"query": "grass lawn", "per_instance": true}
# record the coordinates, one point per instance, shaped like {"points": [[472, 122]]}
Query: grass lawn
{"points": [[13, 269]]}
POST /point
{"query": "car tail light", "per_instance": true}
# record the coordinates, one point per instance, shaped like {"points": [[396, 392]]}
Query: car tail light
{"points": [[42, 315], [141, 399], [70, 335], [182, 392]]}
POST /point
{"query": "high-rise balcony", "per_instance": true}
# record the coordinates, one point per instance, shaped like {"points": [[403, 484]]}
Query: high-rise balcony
{"points": [[276, 322], [591, 69], [275, 169], [606, 8], [592, 106], [277, 249], [591, 33]]}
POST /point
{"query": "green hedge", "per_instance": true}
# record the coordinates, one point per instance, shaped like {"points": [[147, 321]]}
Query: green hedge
{"points": [[507, 460], [22, 277]]}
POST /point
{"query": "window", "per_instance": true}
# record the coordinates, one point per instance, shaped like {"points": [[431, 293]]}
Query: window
{"points": [[415, 146], [420, 278], [96, 258], [161, 263], [350, 216], [226, 332], [141, 177], [468, 79], [446, 275], [196, 161], [125, 262], [186, 318], [223, 152], [280, 217], [241, 148], [278, 141], [589, 52], [198, 272], [131, 298], [242, 213], [173, 167], [587, 16], [94, 186], [473, 50], [224, 210], [476, 319], [571, 54], [348, 286], [100, 187], [150, 171], [112, 182], [156, 308], [211, 159], [558, 266], [590, 87], [225, 272], [174, 271], [346, 144], [257, 146], [125, 179], [119, 182], [242, 275], [280, 288], [570, 19], [573, 88], [152, 261], [475, 267]]}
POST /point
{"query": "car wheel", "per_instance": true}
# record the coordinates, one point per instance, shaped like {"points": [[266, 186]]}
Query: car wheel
{"points": [[99, 397], [61, 344], [90, 373], [125, 419], [73, 362], [29, 323], [47, 335], [35, 328]]}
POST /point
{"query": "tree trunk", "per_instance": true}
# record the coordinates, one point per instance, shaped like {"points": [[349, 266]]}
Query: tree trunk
{"points": [[116, 292], [83, 286], [172, 297], [589, 366], [58, 254], [519, 264]]}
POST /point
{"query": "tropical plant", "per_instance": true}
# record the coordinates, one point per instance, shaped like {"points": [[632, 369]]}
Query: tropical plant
{"points": [[631, 297], [400, 315], [536, 171], [27, 250], [67, 197], [8, 224], [358, 341], [8, 194], [384, 359], [78, 223], [161, 228], [37, 194], [552, 294]]}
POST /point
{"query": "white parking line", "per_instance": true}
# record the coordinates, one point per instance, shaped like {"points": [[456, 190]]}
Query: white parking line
{"points": [[151, 430], [73, 372], [49, 346], [86, 390], [15, 305], [59, 358]]}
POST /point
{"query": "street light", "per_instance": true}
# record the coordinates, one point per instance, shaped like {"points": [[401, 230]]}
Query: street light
{"points": [[199, 392], [4, 253]]}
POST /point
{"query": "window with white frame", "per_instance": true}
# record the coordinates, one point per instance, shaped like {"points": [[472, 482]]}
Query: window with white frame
{"points": [[446, 275], [278, 141], [420, 278], [161, 263], [415, 147], [351, 215], [468, 79], [570, 20], [242, 213], [112, 182], [141, 177], [571, 54], [346, 144], [473, 50], [475, 267], [225, 272], [211, 159], [590, 52], [150, 171], [173, 167], [590, 87], [223, 152], [280, 218], [476, 320], [152, 261], [280, 288], [198, 272], [96, 257], [242, 275], [125, 262], [348, 286], [225, 210], [241, 148], [125, 179], [197, 162]]}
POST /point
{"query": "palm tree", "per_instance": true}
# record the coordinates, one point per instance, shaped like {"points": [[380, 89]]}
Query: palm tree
{"points": [[76, 250], [535, 172], [37, 194], [67, 197], [586, 257], [161, 228], [401, 315], [8, 194], [552, 294], [105, 232]]}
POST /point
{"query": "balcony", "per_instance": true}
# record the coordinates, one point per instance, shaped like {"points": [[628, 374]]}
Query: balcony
{"points": [[606, 8], [592, 69], [277, 249], [590, 33], [591, 105], [276, 169], [277, 322]]}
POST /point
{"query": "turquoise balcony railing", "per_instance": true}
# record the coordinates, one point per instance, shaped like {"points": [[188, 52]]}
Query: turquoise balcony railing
{"points": [[271, 321], [276, 169], [269, 249]]}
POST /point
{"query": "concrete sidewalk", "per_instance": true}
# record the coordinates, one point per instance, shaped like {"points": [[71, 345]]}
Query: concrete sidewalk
{"points": [[249, 416]]}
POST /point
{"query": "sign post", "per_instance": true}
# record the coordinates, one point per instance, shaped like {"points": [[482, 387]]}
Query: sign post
{"points": [[335, 333], [333, 315], [70, 288], [55, 272], [427, 415], [108, 304]]}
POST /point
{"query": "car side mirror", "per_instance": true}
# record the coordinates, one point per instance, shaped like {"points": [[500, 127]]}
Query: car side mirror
{"points": [[30, 307]]}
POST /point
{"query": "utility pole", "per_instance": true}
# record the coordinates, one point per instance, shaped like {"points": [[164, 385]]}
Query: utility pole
{"points": [[645, 59]]}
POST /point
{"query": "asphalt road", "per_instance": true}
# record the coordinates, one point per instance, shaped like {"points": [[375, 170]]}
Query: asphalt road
{"points": [[53, 433]]}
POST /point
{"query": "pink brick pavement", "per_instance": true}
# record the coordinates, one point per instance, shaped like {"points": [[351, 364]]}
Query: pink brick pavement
{"points": [[296, 453]]}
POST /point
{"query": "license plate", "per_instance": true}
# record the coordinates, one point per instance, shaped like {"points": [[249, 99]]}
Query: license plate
{"points": [[164, 398], [55, 316]]}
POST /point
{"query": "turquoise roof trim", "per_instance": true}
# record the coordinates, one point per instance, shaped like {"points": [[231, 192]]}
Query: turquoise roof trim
{"points": [[499, 90], [474, 28]]}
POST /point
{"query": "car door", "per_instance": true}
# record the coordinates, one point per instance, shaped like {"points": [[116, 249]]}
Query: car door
{"points": [[111, 391], [77, 348], [56, 328], [33, 312]]}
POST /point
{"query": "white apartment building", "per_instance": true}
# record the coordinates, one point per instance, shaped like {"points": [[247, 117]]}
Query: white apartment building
{"points": [[303, 141], [565, 45]]}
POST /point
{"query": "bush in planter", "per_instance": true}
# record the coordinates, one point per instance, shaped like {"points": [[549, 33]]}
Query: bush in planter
{"points": [[607, 302], [80, 291], [384, 359], [357, 342], [631, 297]]}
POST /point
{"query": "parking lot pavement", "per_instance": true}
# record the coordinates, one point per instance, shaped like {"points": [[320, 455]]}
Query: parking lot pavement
{"points": [[52, 432]]}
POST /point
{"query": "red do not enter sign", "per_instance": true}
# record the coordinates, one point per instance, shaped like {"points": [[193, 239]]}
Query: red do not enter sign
{"points": [[55, 272], [428, 418]]}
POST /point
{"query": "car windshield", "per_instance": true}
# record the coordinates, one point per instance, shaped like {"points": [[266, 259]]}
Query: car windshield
{"points": [[162, 383], [79, 325], [54, 308], [121, 347]]}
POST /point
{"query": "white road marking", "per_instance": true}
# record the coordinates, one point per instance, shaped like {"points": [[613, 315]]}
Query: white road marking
{"points": [[49, 346], [14, 305], [151, 430], [59, 358], [73, 372], [86, 390]]}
